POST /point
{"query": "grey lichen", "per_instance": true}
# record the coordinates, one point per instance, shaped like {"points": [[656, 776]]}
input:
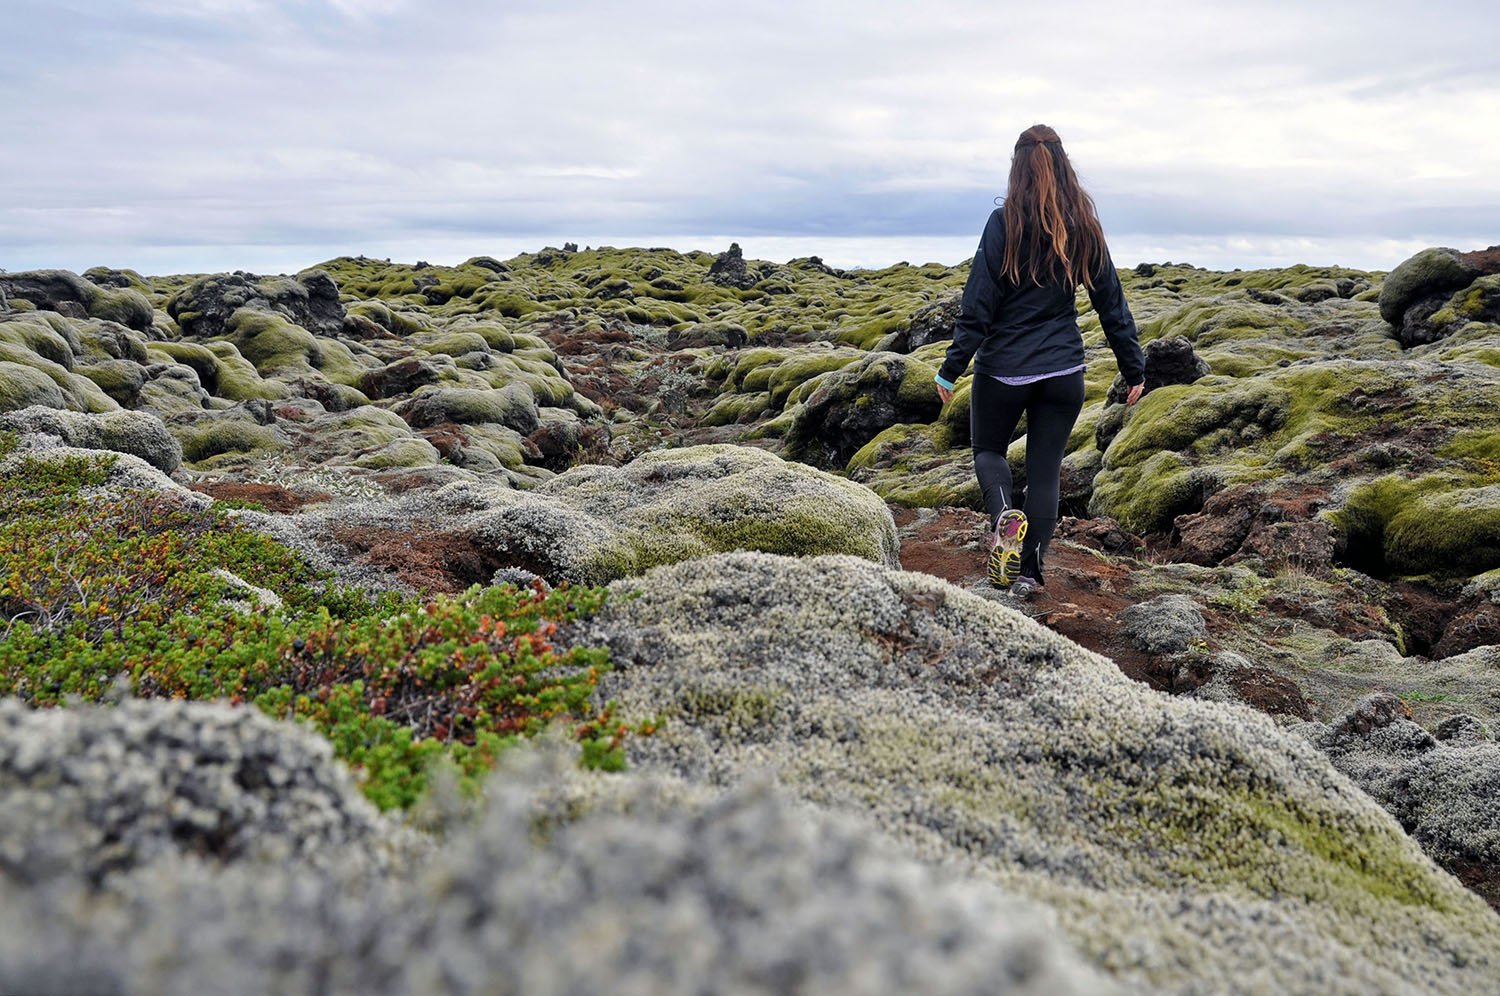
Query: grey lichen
{"points": [[1185, 846], [138, 433], [285, 881]]}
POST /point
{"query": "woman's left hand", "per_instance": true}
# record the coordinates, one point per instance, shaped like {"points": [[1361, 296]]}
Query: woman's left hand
{"points": [[944, 393]]}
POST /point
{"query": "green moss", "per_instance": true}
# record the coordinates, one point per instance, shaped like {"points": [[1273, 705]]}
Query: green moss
{"points": [[1083, 429], [867, 334], [1273, 846], [504, 445], [338, 436], [274, 345], [1147, 496], [917, 385], [1212, 414], [35, 337], [1248, 358], [1431, 270], [1225, 319], [746, 362], [452, 343], [1481, 300], [732, 408], [1435, 525], [238, 378], [224, 435], [511, 406], [1479, 449], [23, 386], [405, 453], [955, 414], [68, 390], [127, 306], [195, 356], [401, 322], [495, 337], [279, 349], [122, 380], [737, 711], [933, 487], [892, 443], [792, 372]]}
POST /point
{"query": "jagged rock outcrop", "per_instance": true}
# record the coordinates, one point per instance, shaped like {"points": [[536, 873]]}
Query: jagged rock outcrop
{"points": [[309, 300], [1277, 524], [929, 323], [1168, 361], [851, 406], [729, 269], [76, 297]]}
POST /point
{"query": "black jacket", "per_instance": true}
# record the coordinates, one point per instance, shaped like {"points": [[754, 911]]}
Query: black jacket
{"points": [[1022, 329]]}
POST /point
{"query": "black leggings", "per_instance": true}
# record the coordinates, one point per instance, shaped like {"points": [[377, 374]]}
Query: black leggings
{"points": [[1051, 406]]}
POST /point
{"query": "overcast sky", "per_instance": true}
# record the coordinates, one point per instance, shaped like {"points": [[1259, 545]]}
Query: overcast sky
{"points": [[198, 135]]}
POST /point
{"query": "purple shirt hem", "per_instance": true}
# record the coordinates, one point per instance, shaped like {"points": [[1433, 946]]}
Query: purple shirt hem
{"points": [[1033, 378]]}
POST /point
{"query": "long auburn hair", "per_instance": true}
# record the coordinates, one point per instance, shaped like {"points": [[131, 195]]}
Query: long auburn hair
{"points": [[1051, 225]]}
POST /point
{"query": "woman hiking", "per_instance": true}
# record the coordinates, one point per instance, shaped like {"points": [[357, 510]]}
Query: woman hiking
{"points": [[1018, 315]]}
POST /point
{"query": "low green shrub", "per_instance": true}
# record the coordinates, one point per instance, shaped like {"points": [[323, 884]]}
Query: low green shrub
{"points": [[132, 586]]}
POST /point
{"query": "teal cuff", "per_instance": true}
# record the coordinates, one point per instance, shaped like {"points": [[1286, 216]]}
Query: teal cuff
{"points": [[943, 383]]}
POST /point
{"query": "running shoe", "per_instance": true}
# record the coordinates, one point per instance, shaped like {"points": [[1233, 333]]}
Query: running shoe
{"points": [[1005, 547], [1024, 587]]}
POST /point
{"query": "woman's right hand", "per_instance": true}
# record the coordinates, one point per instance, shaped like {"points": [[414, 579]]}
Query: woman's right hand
{"points": [[1134, 394]]}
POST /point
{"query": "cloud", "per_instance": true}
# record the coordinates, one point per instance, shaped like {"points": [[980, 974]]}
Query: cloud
{"points": [[297, 125]]}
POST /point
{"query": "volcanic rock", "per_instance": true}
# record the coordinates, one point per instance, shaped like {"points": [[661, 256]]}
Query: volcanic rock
{"points": [[852, 405], [309, 300], [729, 269]]}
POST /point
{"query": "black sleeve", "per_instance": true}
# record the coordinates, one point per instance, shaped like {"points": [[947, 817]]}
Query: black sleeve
{"points": [[1108, 298], [981, 299]]}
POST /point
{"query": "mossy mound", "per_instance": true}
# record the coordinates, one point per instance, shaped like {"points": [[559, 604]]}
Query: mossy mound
{"points": [[1444, 789], [1317, 424], [95, 792], [512, 406], [22, 387], [1431, 271], [215, 437], [1183, 846], [595, 523], [44, 356], [1437, 524], [1437, 292], [136, 433]]}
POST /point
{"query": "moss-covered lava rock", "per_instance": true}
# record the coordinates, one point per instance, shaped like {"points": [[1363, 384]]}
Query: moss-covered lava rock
{"points": [[595, 523]]}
